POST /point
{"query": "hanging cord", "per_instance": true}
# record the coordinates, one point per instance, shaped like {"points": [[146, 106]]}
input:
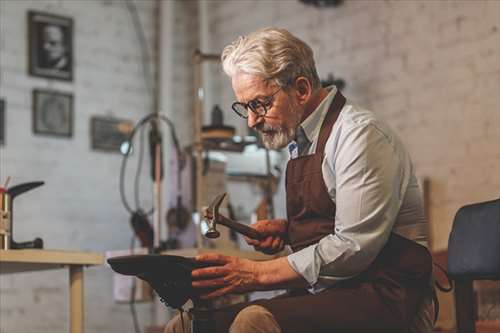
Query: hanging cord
{"points": [[141, 36], [137, 180], [137, 128], [439, 285], [441, 288]]}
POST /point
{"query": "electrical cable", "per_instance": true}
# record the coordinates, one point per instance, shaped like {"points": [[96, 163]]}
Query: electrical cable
{"points": [[146, 67], [137, 179], [126, 154]]}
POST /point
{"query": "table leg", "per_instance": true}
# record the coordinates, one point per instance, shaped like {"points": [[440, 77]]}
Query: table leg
{"points": [[76, 298]]}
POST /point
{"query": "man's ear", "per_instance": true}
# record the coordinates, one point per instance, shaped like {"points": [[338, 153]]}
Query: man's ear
{"points": [[303, 89]]}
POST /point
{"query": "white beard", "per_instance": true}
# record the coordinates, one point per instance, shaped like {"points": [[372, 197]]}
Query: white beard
{"points": [[278, 139]]}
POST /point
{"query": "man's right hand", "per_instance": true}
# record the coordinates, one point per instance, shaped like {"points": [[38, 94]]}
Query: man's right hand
{"points": [[275, 235]]}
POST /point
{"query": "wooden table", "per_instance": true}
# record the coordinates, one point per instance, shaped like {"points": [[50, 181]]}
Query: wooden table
{"points": [[16, 261]]}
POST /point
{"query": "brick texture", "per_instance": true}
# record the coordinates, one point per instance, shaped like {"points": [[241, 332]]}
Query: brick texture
{"points": [[79, 208], [429, 68]]}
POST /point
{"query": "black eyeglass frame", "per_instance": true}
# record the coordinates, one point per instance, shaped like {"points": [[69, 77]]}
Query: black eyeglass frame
{"points": [[264, 104]]}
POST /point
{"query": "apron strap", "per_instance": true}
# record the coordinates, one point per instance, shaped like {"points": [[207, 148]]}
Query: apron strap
{"points": [[330, 119]]}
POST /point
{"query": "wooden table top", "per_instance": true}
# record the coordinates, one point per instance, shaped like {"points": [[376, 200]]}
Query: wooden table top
{"points": [[13, 261]]}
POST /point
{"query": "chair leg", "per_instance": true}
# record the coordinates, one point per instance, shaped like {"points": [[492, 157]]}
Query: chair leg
{"points": [[464, 306]]}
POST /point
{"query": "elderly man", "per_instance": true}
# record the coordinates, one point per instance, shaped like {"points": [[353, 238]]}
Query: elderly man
{"points": [[354, 208]]}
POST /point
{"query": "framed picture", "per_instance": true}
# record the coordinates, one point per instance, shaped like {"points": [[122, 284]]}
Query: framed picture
{"points": [[52, 113], [2, 122], [50, 46], [109, 133]]}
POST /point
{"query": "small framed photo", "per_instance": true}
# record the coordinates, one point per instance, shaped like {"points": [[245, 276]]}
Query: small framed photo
{"points": [[50, 46], [52, 113], [108, 133], [2, 122]]}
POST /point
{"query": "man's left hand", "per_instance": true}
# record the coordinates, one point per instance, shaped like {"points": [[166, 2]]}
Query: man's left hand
{"points": [[229, 275]]}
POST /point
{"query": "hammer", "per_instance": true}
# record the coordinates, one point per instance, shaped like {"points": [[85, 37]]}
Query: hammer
{"points": [[214, 217]]}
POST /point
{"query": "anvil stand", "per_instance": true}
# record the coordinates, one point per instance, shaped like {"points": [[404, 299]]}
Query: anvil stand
{"points": [[170, 278], [203, 317]]}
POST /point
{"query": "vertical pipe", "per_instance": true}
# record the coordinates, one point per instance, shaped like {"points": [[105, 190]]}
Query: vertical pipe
{"points": [[198, 144], [157, 193]]}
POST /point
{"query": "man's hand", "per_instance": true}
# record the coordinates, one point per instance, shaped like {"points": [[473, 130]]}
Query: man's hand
{"points": [[275, 232], [233, 275], [230, 275]]}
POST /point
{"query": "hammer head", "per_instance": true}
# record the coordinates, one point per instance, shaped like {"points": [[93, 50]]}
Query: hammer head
{"points": [[212, 216]]}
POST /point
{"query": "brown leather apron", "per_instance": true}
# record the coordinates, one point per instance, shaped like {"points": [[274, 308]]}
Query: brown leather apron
{"points": [[384, 298]]}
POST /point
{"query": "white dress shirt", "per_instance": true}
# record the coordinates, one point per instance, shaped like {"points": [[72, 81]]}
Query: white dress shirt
{"points": [[371, 179]]}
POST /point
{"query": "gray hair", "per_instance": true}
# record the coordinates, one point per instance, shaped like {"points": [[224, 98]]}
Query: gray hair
{"points": [[273, 54]]}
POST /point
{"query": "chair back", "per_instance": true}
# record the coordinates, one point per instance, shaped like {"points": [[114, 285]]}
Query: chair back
{"points": [[473, 254]]}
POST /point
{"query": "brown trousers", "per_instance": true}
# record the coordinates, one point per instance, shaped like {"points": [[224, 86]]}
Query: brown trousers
{"points": [[383, 299]]}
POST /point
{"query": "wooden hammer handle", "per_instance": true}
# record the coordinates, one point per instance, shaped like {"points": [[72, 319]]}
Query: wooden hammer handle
{"points": [[239, 227]]}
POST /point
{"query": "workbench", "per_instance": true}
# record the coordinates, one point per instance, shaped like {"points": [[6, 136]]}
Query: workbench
{"points": [[17, 261]]}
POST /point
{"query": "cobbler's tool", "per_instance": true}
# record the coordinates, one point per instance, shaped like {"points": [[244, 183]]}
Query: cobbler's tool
{"points": [[214, 217], [7, 218]]}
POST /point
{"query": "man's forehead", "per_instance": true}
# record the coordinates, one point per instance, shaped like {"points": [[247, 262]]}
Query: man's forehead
{"points": [[248, 86]]}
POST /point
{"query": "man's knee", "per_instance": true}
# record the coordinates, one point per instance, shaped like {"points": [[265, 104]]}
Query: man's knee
{"points": [[179, 324], [254, 319]]}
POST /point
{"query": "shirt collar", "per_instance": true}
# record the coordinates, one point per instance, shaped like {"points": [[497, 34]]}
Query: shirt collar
{"points": [[312, 124]]}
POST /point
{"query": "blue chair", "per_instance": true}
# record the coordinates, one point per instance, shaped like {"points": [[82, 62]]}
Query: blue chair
{"points": [[473, 254]]}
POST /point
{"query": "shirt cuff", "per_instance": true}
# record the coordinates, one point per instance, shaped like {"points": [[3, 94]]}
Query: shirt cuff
{"points": [[305, 263]]}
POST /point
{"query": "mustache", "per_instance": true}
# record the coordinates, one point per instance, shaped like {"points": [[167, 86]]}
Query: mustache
{"points": [[263, 127]]}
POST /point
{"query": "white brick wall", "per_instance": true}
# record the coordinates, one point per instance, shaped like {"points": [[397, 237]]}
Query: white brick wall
{"points": [[79, 208], [430, 68]]}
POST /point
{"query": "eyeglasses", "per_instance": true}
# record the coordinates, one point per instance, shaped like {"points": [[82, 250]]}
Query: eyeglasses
{"points": [[259, 107]]}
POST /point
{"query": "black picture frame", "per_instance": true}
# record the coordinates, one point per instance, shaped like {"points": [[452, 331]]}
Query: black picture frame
{"points": [[2, 121], [52, 113], [50, 39], [109, 133]]}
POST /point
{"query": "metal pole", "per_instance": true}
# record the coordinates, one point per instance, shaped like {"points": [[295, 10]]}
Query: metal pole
{"points": [[157, 193], [198, 59]]}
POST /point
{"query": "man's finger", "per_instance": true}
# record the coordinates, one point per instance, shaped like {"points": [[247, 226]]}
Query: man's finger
{"points": [[217, 293], [209, 283], [266, 243], [213, 258], [276, 243], [251, 241], [281, 246], [209, 272]]}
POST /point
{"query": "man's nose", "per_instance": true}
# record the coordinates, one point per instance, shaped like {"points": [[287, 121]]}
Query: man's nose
{"points": [[254, 119]]}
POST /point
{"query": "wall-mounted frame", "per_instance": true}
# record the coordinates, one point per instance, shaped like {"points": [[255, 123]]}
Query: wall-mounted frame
{"points": [[52, 113], [108, 133], [50, 39], [2, 121]]}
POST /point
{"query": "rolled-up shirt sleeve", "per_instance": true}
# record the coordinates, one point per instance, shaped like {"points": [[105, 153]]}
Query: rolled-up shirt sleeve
{"points": [[369, 180]]}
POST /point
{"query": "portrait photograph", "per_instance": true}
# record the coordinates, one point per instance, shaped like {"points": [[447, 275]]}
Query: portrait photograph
{"points": [[52, 113], [50, 46], [108, 133]]}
